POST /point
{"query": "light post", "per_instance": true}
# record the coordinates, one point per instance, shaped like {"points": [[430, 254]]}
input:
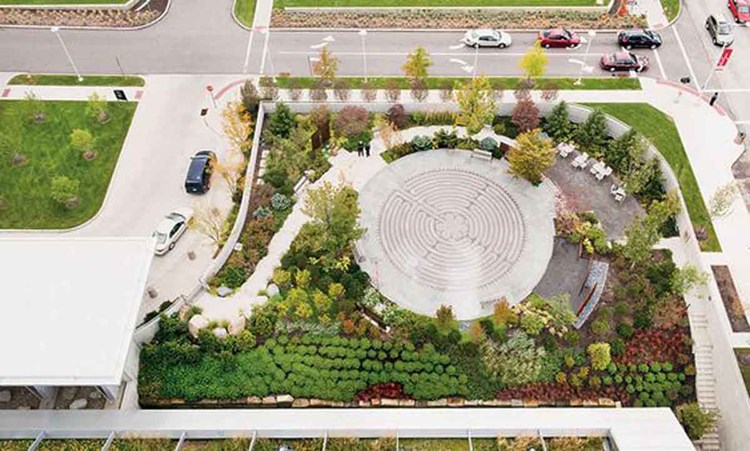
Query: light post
{"points": [[363, 35], [56, 31], [591, 34]]}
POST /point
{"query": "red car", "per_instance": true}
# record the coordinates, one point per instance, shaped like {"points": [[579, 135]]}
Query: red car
{"points": [[623, 61], [740, 10], [559, 37]]}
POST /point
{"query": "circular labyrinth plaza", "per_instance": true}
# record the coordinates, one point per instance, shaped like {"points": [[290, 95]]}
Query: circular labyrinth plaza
{"points": [[443, 228]]}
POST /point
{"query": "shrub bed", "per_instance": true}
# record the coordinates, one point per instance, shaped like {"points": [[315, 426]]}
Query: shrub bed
{"points": [[83, 17], [433, 18]]}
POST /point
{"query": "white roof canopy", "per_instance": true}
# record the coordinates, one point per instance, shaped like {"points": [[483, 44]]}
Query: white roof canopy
{"points": [[69, 307]]}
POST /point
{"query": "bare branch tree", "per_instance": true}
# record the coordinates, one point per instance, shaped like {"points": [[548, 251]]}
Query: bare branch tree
{"points": [[209, 222]]}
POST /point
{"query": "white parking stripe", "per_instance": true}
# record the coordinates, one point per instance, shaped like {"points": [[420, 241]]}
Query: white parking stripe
{"points": [[247, 52], [687, 61], [661, 67], [265, 53]]}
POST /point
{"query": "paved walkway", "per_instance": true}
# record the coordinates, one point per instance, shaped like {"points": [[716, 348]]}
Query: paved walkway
{"points": [[653, 11], [263, 10]]}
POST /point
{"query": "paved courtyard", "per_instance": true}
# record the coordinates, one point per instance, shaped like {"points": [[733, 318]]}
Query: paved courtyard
{"points": [[446, 229]]}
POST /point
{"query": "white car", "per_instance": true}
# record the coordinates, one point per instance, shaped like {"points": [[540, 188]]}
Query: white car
{"points": [[170, 229], [487, 38]]}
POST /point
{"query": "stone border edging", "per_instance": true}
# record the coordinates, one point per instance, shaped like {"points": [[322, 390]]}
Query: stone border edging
{"points": [[366, 9], [116, 6], [92, 28], [418, 30]]}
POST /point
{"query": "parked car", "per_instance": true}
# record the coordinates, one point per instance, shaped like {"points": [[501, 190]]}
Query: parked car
{"points": [[740, 10], [623, 61], [198, 179], [720, 30], [487, 38], [639, 39], [170, 229], [558, 37]]}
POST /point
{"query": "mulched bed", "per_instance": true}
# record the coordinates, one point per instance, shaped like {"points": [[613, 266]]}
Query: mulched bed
{"points": [[441, 19], [84, 17], [731, 300]]}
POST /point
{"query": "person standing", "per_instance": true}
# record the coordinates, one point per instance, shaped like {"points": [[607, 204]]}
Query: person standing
{"points": [[367, 149], [713, 99], [360, 148]]}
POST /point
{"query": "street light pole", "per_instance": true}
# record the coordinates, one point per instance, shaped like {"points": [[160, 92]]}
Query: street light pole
{"points": [[56, 31], [713, 68], [591, 35], [363, 35]]}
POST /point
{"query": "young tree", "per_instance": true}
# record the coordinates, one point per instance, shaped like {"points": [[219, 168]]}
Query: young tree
{"points": [[34, 108], [326, 65], [96, 107], [621, 152], [389, 134], [525, 115], [419, 90], [333, 212], [644, 232], [503, 314], [476, 104], [82, 141], [341, 90], [320, 118], [686, 278], [695, 420], [558, 125], [209, 222], [230, 170], [722, 201], [250, 97], [532, 156], [237, 125], [64, 191], [534, 61], [592, 135], [351, 122], [640, 175], [417, 63]]}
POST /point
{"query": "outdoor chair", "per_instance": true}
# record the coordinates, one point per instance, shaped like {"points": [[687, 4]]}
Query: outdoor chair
{"points": [[581, 161], [604, 173]]}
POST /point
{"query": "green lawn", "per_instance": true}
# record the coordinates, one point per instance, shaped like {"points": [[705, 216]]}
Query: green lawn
{"points": [[661, 131], [25, 187], [671, 8], [245, 10], [428, 3], [498, 82], [62, 2], [72, 80]]}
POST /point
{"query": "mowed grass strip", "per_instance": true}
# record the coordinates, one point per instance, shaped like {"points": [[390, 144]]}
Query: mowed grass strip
{"points": [[72, 80], [244, 10], [25, 188], [608, 83], [425, 3], [659, 128]]}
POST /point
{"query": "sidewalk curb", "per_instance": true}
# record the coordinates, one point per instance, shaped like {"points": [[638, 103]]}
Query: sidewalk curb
{"points": [[673, 21], [82, 28], [236, 20], [418, 30]]}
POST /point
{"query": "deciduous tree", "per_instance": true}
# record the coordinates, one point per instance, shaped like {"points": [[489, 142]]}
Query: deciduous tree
{"points": [[525, 115], [65, 190], [209, 222], [96, 107], [326, 66], [237, 125], [531, 157], [417, 63], [476, 104], [644, 232], [534, 61], [722, 200]]}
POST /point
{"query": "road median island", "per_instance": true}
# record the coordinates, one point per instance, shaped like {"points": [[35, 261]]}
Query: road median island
{"points": [[427, 18], [83, 14], [72, 80]]}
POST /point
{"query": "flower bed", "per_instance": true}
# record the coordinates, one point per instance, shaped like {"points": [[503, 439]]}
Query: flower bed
{"points": [[731, 299], [417, 19], [84, 17]]}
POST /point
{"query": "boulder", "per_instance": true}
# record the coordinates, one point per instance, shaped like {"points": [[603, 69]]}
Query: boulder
{"points": [[196, 323], [272, 290], [5, 396], [220, 333], [78, 404], [284, 400], [455, 402], [438, 403], [224, 291], [253, 401], [516, 403], [406, 403], [269, 401], [301, 403], [387, 402], [95, 395], [237, 325]]}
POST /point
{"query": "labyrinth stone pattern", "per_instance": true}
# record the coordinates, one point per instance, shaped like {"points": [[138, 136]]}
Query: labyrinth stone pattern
{"points": [[443, 228]]}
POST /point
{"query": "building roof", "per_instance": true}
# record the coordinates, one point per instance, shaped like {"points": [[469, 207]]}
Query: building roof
{"points": [[69, 308]]}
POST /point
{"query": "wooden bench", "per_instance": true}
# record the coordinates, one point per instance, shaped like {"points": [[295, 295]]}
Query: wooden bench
{"points": [[481, 154]]}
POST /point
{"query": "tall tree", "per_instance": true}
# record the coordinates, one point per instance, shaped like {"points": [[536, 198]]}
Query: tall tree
{"points": [[525, 115], [333, 212], [237, 125], [417, 63], [592, 135], [476, 104], [558, 124], [534, 61], [531, 156], [208, 221], [644, 232], [326, 66]]}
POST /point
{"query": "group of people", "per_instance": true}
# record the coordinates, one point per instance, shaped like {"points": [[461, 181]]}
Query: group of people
{"points": [[363, 149]]}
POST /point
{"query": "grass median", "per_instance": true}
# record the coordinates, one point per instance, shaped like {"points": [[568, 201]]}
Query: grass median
{"points": [[72, 80], [659, 128], [38, 152], [244, 10], [608, 83]]}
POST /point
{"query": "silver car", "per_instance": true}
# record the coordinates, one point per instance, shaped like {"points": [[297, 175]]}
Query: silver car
{"points": [[720, 30], [170, 229], [487, 38]]}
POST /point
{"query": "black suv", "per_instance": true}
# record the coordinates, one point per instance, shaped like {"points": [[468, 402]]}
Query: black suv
{"points": [[644, 39], [198, 179]]}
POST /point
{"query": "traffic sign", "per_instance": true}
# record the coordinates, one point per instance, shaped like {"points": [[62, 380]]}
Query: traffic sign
{"points": [[724, 58]]}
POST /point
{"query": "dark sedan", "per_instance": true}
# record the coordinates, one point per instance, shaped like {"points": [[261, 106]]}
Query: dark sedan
{"points": [[558, 37], [623, 61], [639, 39]]}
